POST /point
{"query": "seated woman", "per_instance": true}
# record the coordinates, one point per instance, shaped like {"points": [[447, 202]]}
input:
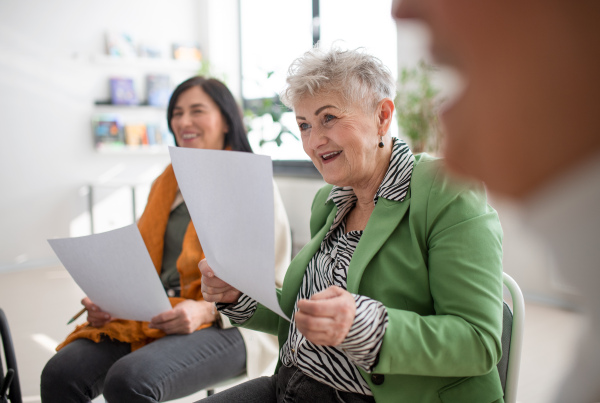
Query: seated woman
{"points": [[398, 295], [183, 350]]}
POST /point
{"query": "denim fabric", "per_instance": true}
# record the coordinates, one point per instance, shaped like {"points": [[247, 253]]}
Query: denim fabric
{"points": [[289, 385], [168, 368]]}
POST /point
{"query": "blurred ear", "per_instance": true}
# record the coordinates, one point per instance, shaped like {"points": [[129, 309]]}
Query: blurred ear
{"points": [[385, 113]]}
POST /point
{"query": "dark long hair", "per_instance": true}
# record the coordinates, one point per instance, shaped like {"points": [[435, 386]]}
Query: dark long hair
{"points": [[236, 136]]}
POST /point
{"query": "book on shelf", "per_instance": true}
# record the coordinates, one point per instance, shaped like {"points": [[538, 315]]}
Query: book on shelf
{"points": [[158, 88], [108, 130], [152, 50], [187, 51], [136, 134], [122, 91], [120, 44], [154, 135], [158, 134]]}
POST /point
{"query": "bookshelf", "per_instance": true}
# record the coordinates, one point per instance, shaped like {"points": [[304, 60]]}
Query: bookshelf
{"points": [[135, 127]]}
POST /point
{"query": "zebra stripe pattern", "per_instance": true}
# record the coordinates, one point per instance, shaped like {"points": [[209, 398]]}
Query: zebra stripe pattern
{"points": [[338, 366]]}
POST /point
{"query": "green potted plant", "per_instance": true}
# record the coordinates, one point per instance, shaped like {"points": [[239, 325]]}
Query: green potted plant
{"points": [[417, 103]]}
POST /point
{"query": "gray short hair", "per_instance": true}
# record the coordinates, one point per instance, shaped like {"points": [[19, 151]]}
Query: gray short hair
{"points": [[361, 79]]}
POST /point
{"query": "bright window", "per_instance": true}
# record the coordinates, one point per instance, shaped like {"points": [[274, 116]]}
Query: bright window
{"points": [[275, 32]]}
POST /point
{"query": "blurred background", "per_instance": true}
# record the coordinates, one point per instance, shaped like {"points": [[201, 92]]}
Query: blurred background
{"points": [[83, 89]]}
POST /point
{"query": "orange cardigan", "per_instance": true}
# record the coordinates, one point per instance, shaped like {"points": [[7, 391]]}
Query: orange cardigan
{"points": [[152, 225]]}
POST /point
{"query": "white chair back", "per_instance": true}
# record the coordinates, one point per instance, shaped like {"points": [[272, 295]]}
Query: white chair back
{"points": [[516, 339]]}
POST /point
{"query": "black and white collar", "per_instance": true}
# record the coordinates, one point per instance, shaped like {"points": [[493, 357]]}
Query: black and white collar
{"points": [[395, 184]]}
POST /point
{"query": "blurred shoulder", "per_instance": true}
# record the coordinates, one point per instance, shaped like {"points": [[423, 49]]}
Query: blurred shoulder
{"points": [[433, 186]]}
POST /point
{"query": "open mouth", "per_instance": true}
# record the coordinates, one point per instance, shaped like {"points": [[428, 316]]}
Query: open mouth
{"points": [[331, 155], [189, 136]]}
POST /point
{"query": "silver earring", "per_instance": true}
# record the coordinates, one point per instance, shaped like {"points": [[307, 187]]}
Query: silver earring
{"points": [[381, 142]]}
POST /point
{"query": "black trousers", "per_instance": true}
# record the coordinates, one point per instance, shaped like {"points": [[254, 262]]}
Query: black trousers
{"points": [[287, 386]]}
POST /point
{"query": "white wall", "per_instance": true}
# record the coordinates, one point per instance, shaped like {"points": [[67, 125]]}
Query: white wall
{"points": [[297, 195], [50, 76]]}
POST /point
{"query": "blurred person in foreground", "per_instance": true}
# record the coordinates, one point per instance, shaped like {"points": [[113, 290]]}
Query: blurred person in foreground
{"points": [[526, 124], [186, 349], [398, 295]]}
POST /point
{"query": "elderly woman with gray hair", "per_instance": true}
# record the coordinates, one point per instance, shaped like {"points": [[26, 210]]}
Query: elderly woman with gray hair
{"points": [[398, 295]]}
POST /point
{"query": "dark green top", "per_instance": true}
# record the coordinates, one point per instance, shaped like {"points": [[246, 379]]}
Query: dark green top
{"points": [[179, 220]]}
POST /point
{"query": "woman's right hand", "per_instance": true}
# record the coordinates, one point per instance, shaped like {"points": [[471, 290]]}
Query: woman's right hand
{"points": [[96, 316], [214, 289]]}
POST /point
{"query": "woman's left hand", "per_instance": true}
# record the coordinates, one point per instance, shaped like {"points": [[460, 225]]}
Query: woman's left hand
{"points": [[185, 317], [326, 318]]}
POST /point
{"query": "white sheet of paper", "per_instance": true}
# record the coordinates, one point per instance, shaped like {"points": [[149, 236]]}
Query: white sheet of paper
{"points": [[229, 196], [115, 271]]}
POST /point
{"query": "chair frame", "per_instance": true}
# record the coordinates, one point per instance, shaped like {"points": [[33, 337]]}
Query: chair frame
{"points": [[13, 385], [516, 339]]}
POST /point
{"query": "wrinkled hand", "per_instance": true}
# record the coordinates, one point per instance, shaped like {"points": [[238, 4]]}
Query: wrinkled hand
{"points": [[326, 318], [96, 316], [185, 317], [214, 289]]}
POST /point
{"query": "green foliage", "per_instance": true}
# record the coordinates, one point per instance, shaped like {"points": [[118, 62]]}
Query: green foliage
{"points": [[255, 108], [268, 106], [416, 108]]}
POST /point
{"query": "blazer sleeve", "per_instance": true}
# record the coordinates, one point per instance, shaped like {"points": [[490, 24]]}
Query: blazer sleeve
{"points": [[463, 241]]}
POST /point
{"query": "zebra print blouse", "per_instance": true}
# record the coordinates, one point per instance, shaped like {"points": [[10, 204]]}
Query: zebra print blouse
{"points": [[337, 366]]}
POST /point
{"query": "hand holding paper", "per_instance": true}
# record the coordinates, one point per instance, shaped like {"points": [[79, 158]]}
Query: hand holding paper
{"points": [[229, 196], [185, 317], [115, 271], [214, 289], [96, 316]]}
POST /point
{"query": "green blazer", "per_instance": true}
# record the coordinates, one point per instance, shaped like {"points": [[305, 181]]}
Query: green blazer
{"points": [[435, 262]]}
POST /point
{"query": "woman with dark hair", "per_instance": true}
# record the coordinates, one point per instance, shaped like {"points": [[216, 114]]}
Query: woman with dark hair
{"points": [[185, 349], [235, 137]]}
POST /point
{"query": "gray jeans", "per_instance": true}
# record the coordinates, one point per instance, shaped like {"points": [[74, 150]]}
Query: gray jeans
{"points": [[287, 386], [168, 368]]}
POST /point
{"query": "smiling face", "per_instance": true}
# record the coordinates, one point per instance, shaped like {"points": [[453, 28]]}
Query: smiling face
{"points": [[197, 121], [523, 63], [342, 141]]}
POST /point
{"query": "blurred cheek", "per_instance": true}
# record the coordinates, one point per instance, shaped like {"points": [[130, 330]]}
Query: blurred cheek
{"points": [[466, 134], [480, 140], [455, 147]]}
